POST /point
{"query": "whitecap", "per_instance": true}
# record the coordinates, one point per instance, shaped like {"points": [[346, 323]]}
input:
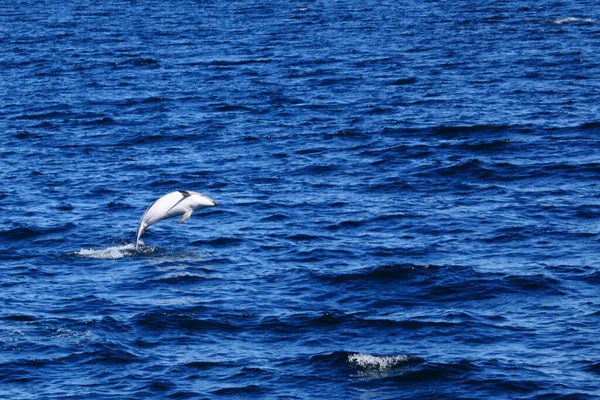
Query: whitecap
{"points": [[378, 363], [560, 21]]}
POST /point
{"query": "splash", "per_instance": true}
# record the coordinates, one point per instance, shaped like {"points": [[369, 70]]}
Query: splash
{"points": [[114, 252]]}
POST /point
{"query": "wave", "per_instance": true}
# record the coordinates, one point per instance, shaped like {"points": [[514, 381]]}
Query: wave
{"points": [[532, 283], [218, 242], [460, 131], [188, 319], [233, 63], [19, 318], [469, 169], [443, 283], [154, 99], [44, 116], [100, 353], [451, 130], [337, 320], [486, 145], [101, 121], [493, 136], [149, 139], [137, 62], [26, 232], [276, 217], [241, 390], [232, 108], [403, 81], [352, 134], [384, 273], [176, 321], [303, 237], [109, 353], [589, 125], [182, 277], [204, 364], [592, 367]]}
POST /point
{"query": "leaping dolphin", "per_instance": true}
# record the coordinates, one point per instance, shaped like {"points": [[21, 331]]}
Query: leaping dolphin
{"points": [[171, 205]]}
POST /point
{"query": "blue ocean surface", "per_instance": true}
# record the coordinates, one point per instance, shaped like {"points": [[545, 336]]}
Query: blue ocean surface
{"points": [[408, 195]]}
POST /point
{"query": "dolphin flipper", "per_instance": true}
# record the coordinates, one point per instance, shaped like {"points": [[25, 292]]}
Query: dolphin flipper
{"points": [[185, 216]]}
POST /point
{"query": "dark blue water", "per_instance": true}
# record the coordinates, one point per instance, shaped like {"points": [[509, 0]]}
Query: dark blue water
{"points": [[408, 199]]}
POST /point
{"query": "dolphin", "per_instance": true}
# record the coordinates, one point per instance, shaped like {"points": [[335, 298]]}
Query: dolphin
{"points": [[174, 204]]}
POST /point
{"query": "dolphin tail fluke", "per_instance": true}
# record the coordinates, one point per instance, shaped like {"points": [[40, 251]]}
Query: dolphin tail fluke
{"points": [[140, 230]]}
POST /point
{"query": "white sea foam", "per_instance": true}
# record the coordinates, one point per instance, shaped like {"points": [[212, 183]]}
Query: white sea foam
{"points": [[377, 363], [113, 252], [560, 21]]}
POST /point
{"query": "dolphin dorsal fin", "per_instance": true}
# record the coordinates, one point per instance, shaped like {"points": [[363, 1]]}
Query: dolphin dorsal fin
{"points": [[185, 193]]}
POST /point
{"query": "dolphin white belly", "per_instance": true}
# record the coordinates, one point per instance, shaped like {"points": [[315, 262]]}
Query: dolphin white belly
{"points": [[171, 205]]}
